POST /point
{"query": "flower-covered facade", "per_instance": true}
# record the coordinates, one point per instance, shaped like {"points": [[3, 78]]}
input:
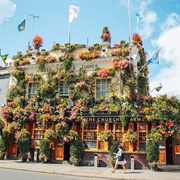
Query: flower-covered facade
{"points": [[93, 91]]}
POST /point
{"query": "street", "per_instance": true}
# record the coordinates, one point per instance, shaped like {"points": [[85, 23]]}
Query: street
{"points": [[7, 174]]}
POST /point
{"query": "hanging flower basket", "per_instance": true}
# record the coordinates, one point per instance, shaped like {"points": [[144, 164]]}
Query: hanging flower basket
{"points": [[50, 134], [105, 136], [45, 90], [62, 129], [130, 136]]}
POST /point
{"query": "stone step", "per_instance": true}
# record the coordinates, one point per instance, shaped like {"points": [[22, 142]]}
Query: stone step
{"points": [[169, 168], [66, 162]]}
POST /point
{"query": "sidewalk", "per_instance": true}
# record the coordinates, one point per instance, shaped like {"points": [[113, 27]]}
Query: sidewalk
{"points": [[88, 171]]}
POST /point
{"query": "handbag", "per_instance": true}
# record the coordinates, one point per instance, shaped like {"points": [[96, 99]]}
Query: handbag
{"points": [[121, 158]]}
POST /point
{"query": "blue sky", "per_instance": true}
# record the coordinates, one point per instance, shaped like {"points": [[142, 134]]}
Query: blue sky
{"points": [[159, 26]]}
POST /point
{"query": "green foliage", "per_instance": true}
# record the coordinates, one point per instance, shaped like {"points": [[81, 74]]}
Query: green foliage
{"points": [[67, 63], [105, 136], [167, 111], [113, 148], [62, 129], [76, 149], [23, 145], [45, 90], [19, 74], [152, 145], [50, 134], [130, 136], [4, 139], [13, 127], [44, 147], [22, 134], [2, 123]]}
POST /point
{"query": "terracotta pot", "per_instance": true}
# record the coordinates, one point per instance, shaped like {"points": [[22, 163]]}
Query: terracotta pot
{"points": [[131, 146]]}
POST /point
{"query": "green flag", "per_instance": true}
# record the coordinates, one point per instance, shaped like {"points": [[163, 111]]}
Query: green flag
{"points": [[4, 58], [21, 26]]}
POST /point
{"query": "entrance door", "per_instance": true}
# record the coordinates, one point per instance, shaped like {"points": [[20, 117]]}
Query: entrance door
{"points": [[59, 150], [169, 151], [13, 149], [66, 151]]}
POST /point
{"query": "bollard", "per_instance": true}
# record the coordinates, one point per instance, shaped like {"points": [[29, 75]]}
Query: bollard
{"points": [[35, 155], [132, 162], [95, 160]]}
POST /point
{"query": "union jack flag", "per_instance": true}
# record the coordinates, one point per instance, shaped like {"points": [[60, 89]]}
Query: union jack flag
{"points": [[154, 58]]}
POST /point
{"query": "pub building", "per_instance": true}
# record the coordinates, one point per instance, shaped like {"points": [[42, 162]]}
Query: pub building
{"points": [[86, 87]]}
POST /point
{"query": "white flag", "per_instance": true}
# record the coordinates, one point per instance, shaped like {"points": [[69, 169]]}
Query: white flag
{"points": [[73, 12]]}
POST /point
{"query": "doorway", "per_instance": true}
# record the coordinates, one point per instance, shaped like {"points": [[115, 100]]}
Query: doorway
{"points": [[169, 150], [66, 151]]}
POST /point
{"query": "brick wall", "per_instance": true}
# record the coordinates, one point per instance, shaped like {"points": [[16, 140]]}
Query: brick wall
{"points": [[177, 159], [103, 160]]}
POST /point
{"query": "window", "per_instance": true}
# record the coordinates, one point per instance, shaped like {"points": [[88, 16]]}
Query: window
{"points": [[63, 89], [38, 134], [32, 90], [90, 136], [142, 136], [102, 87]]}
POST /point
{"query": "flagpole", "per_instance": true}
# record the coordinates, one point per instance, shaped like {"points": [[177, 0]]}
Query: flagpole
{"points": [[142, 67], [129, 16], [33, 16], [137, 25], [69, 32], [87, 41], [22, 41], [152, 90]]}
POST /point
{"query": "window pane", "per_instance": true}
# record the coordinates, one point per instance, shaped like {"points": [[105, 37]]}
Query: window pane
{"points": [[63, 89], [32, 90], [102, 87]]}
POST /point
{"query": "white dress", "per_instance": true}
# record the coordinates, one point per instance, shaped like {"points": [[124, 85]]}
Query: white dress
{"points": [[119, 153]]}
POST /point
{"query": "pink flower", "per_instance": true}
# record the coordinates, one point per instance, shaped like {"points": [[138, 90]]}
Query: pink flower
{"points": [[31, 116]]}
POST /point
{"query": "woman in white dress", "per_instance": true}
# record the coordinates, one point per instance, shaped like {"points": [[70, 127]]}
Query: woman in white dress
{"points": [[122, 163]]}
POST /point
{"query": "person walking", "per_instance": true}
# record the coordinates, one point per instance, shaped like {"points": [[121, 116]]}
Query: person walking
{"points": [[121, 162]]}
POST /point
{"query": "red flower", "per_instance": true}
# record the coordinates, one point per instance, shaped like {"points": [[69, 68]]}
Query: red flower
{"points": [[169, 124]]}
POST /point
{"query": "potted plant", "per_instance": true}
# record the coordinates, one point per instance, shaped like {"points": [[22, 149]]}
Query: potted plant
{"points": [[37, 42], [44, 155], [4, 139], [76, 148], [152, 148], [130, 137], [23, 140]]}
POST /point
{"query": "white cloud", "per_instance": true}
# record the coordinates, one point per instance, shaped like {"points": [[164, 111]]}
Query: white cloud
{"points": [[143, 6], [148, 22], [7, 9], [169, 40], [171, 21], [148, 19]]}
